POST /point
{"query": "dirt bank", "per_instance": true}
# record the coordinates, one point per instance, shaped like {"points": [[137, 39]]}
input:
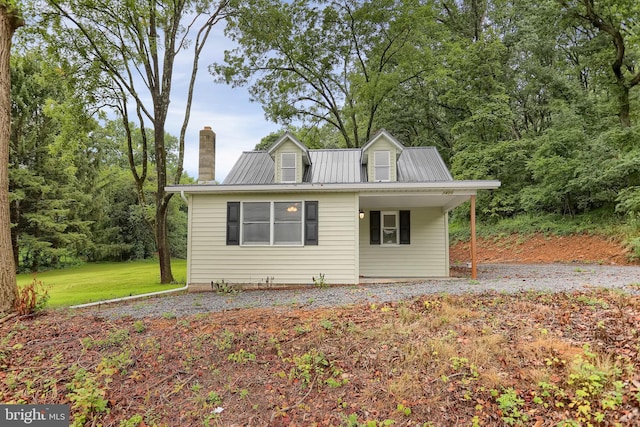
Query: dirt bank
{"points": [[539, 248]]}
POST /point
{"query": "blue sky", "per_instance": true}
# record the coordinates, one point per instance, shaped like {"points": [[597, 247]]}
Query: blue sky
{"points": [[238, 123]]}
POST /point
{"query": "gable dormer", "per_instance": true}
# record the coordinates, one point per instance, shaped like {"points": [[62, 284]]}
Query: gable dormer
{"points": [[290, 157], [380, 155]]}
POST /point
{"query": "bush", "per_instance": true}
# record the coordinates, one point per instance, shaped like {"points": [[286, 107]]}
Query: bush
{"points": [[32, 298]]}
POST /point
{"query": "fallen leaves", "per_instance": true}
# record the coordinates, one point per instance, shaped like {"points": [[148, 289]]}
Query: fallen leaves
{"points": [[446, 359]]}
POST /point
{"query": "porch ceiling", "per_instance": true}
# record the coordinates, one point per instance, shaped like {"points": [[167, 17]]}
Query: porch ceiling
{"points": [[407, 200]]}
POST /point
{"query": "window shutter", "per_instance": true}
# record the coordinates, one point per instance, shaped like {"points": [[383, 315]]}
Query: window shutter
{"points": [[310, 223], [374, 227], [405, 227], [233, 223]]}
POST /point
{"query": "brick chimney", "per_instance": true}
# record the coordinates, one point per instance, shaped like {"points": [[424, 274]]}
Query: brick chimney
{"points": [[207, 156]]}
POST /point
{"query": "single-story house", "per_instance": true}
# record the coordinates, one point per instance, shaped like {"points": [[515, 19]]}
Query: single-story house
{"points": [[288, 214]]}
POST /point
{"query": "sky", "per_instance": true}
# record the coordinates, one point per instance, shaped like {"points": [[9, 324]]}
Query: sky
{"points": [[238, 123]]}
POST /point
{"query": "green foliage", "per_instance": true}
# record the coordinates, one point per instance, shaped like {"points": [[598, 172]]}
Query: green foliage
{"points": [[320, 281], [225, 288], [87, 397], [101, 281], [511, 406], [114, 339], [313, 365], [241, 356], [134, 421]]}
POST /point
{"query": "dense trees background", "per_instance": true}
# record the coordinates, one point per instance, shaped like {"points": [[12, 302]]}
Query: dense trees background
{"points": [[540, 95]]}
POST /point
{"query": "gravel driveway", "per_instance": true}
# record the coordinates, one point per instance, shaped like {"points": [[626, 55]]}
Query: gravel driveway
{"points": [[491, 277]]}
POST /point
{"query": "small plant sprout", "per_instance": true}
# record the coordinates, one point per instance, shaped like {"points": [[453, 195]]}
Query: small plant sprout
{"points": [[320, 281]]}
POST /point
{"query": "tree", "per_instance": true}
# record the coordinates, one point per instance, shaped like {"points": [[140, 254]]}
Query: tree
{"points": [[134, 45], [617, 20], [49, 202], [323, 63], [10, 20]]}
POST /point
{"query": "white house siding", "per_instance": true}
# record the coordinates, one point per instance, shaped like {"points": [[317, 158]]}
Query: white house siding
{"points": [[426, 256], [335, 256], [382, 144], [288, 147]]}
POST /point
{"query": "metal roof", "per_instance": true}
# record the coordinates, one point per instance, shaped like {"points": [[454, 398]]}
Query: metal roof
{"points": [[422, 164], [341, 166], [253, 167], [335, 166]]}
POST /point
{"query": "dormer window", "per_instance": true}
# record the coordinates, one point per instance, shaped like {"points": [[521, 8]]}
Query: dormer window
{"points": [[382, 165], [288, 167]]}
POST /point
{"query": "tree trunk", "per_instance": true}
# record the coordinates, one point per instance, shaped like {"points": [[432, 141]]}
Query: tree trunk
{"points": [[625, 105], [162, 240], [162, 202], [8, 286]]}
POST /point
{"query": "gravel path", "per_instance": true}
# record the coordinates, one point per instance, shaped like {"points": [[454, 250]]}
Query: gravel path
{"points": [[491, 277]]}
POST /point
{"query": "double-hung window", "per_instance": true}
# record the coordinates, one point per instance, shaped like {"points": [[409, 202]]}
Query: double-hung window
{"points": [[287, 223], [272, 223], [389, 228], [288, 167], [256, 223], [381, 166]]}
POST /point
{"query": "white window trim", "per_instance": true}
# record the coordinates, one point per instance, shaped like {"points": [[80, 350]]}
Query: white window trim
{"points": [[377, 166], [272, 224], [283, 168], [397, 227]]}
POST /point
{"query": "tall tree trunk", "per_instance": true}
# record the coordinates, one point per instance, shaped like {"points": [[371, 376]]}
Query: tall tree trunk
{"points": [[162, 240], [623, 82], [625, 105], [9, 21], [162, 201]]}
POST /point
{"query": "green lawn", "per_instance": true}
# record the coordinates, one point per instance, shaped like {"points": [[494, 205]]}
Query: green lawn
{"points": [[102, 281]]}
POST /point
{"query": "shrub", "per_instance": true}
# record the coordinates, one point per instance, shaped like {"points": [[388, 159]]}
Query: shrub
{"points": [[32, 298]]}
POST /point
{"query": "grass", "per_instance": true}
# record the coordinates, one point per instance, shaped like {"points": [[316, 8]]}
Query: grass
{"points": [[102, 281], [597, 222]]}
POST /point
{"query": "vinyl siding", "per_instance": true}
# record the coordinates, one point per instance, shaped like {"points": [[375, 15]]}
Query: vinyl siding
{"points": [[288, 147], [382, 144], [426, 256], [335, 256]]}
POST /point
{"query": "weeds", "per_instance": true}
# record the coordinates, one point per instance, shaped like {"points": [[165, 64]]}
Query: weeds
{"points": [[241, 356], [510, 405], [320, 281], [114, 339], [32, 298], [88, 399], [225, 288]]}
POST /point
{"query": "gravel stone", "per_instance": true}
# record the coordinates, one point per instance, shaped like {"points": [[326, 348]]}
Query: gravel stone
{"points": [[509, 278]]}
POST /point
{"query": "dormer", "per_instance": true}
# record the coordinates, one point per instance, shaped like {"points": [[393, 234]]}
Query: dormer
{"points": [[380, 155], [290, 158]]}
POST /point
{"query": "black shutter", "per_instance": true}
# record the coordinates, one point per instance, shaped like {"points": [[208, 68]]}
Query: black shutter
{"points": [[310, 223], [405, 227], [374, 227], [233, 223]]}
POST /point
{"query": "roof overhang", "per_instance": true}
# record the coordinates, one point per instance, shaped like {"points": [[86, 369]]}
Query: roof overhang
{"points": [[446, 195]]}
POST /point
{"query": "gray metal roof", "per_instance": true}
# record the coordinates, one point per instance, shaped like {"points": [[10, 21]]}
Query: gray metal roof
{"points": [[416, 164], [422, 164], [253, 167], [335, 167]]}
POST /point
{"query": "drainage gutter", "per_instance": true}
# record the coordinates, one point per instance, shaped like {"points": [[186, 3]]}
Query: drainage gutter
{"points": [[129, 298]]}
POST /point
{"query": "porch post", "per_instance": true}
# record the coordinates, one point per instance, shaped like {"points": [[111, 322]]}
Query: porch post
{"points": [[474, 270]]}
